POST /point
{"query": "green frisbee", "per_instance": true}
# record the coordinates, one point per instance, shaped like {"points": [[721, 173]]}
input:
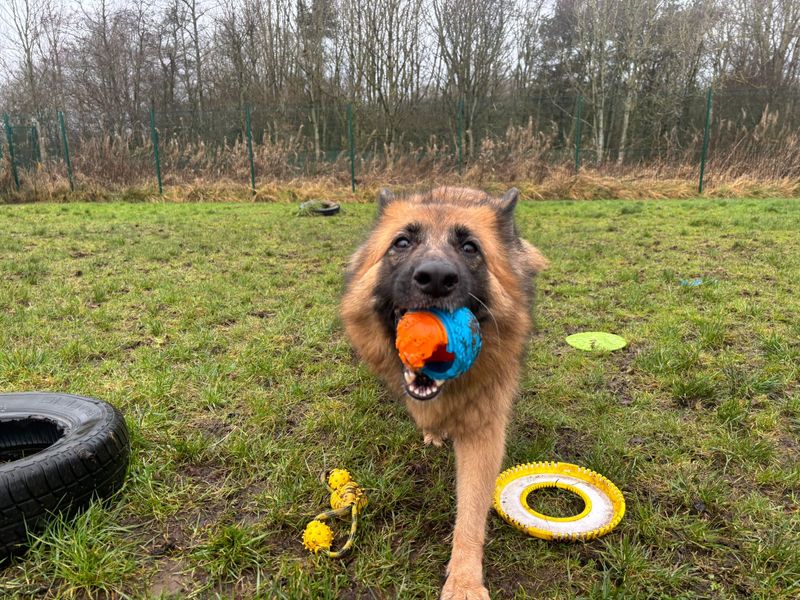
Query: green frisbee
{"points": [[596, 341]]}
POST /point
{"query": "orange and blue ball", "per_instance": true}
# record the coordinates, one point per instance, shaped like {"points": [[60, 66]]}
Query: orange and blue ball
{"points": [[441, 344]]}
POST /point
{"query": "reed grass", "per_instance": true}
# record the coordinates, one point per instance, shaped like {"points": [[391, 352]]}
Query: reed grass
{"points": [[763, 161]]}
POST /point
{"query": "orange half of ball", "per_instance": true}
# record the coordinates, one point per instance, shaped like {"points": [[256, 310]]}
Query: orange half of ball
{"points": [[421, 337]]}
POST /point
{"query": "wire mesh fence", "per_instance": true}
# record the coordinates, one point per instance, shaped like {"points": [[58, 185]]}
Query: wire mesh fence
{"points": [[729, 132]]}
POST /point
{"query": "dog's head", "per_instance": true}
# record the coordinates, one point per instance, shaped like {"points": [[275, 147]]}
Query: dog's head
{"points": [[449, 248]]}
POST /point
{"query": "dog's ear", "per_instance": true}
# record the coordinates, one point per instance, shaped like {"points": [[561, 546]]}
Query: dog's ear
{"points": [[505, 208], [385, 198], [508, 203]]}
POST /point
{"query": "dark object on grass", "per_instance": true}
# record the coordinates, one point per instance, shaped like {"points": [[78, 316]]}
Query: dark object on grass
{"points": [[319, 207], [57, 453]]}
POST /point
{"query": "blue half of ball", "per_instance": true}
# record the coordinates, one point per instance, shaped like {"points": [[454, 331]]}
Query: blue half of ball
{"points": [[463, 341]]}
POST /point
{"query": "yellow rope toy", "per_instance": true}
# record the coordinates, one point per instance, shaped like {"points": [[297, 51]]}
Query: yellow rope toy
{"points": [[347, 498], [604, 505]]}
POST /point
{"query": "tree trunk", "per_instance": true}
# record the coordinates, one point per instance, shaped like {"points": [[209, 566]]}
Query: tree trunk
{"points": [[198, 65], [623, 137], [599, 127], [315, 125]]}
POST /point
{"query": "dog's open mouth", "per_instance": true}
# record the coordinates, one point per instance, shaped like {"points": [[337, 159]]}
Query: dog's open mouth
{"points": [[419, 386]]}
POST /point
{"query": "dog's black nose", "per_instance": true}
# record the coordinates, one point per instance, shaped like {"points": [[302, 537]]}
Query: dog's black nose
{"points": [[436, 278]]}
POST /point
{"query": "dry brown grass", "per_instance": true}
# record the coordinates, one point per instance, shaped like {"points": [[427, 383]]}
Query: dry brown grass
{"points": [[761, 162]]}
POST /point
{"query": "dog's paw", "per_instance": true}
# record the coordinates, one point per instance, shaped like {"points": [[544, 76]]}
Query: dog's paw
{"points": [[437, 440], [464, 588]]}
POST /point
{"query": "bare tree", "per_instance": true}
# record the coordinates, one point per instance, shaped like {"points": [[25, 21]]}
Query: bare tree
{"points": [[472, 38], [111, 64], [386, 56], [233, 26], [195, 12], [24, 17], [55, 23], [277, 47], [167, 43], [528, 47], [595, 22], [762, 43], [636, 36], [316, 22]]}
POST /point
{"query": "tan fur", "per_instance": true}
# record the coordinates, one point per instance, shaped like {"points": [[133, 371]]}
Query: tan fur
{"points": [[472, 410]]}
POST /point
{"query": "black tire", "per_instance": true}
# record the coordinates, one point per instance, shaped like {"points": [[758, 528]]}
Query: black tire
{"points": [[319, 207], [57, 453]]}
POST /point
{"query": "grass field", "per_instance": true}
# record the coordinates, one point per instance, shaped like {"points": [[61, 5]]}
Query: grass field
{"points": [[214, 328]]}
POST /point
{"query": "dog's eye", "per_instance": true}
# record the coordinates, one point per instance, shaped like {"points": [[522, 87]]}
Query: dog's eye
{"points": [[401, 243], [469, 248]]}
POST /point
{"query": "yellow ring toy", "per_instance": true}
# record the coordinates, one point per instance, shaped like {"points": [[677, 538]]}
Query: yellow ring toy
{"points": [[604, 505]]}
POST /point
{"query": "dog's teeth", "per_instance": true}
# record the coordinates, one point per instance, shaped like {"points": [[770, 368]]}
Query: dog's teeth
{"points": [[439, 382], [409, 376]]}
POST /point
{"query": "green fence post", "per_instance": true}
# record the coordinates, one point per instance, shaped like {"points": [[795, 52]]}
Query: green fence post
{"points": [[352, 147], [154, 140], [10, 141], [578, 132], [460, 136], [704, 153], [65, 143], [250, 149]]}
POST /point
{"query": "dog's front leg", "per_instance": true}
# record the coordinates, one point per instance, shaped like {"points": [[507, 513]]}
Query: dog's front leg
{"points": [[478, 459]]}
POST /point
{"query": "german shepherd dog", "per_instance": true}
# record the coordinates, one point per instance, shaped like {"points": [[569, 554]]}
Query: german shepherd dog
{"points": [[449, 248]]}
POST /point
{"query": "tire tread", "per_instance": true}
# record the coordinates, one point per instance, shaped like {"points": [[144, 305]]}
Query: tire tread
{"points": [[64, 481]]}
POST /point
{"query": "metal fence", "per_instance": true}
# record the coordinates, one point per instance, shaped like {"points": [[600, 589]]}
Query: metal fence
{"points": [[256, 141]]}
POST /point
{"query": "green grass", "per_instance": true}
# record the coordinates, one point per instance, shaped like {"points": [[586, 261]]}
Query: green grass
{"points": [[214, 328]]}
